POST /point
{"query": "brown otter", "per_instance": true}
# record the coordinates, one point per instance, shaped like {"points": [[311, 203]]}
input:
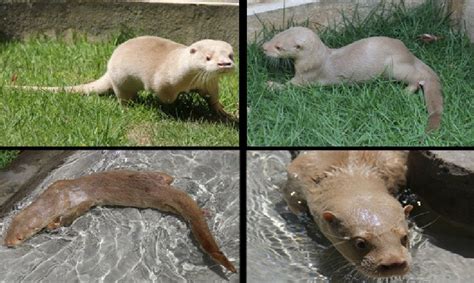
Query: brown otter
{"points": [[359, 61], [62, 202], [350, 196], [163, 67]]}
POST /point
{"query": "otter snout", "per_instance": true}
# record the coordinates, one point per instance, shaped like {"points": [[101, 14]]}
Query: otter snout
{"points": [[225, 65], [269, 49], [393, 267], [12, 242]]}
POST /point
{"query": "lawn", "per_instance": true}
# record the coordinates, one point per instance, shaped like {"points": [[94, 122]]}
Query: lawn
{"points": [[375, 113], [31, 118]]}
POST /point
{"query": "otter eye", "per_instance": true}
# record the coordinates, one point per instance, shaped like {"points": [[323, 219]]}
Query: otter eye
{"points": [[404, 240], [360, 243], [208, 58], [278, 47], [298, 46]]}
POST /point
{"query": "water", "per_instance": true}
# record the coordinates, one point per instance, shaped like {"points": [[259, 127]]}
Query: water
{"points": [[135, 245], [284, 248]]}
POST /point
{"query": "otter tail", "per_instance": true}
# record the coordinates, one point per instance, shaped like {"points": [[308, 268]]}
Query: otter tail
{"points": [[100, 86], [187, 208], [433, 97]]}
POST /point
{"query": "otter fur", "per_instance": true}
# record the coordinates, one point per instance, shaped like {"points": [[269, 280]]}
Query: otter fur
{"points": [[359, 61], [65, 200], [163, 67], [350, 196]]}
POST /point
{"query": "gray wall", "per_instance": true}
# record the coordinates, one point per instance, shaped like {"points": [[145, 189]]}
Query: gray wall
{"points": [[181, 23]]}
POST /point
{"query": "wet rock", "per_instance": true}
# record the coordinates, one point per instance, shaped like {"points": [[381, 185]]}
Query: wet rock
{"points": [[444, 181]]}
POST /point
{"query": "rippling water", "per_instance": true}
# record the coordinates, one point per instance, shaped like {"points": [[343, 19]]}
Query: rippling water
{"points": [[135, 245], [282, 247]]}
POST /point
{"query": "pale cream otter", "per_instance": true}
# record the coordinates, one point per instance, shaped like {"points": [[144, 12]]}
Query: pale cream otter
{"points": [[350, 196], [66, 200], [163, 67], [359, 61]]}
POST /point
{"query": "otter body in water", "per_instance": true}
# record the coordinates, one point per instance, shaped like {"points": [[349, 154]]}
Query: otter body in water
{"points": [[350, 196], [359, 61], [163, 67], [66, 200]]}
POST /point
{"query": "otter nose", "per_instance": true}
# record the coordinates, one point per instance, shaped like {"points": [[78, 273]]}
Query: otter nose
{"points": [[391, 266], [265, 47], [225, 64]]}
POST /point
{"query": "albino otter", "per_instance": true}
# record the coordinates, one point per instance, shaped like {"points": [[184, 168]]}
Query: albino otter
{"points": [[359, 61], [350, 196], [66, 200], [163, 67]]}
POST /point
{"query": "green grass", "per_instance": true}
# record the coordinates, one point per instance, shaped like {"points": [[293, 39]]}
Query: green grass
{"points": [[367, 114], [42, 118], [7, 156]]}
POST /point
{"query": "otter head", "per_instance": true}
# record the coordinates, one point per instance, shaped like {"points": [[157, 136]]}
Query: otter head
{"points": [[292, 43], [24, 225], [369, 228], [212, 56], [41, 213]]}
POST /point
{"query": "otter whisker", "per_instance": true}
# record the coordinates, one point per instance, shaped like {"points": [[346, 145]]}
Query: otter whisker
{"points": [[430, 223], [355, 206], [420, 214]]}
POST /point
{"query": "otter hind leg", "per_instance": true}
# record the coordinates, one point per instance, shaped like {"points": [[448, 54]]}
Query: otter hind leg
{"points": [[124, 94], [412, 87]]}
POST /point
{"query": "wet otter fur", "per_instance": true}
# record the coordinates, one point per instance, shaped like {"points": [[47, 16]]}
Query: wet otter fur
{"points": [[361, 60], [350, 197], [65, 200]]}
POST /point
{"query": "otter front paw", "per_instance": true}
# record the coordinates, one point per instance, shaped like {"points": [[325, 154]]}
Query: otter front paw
{"points": [[223, 115]]}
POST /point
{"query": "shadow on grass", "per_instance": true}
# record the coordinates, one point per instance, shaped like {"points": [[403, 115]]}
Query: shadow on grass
{"points": [[188, 107]]}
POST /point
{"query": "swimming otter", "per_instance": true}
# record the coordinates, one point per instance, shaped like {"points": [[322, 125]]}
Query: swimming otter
{"points": [[350, 196], [63, 201]]}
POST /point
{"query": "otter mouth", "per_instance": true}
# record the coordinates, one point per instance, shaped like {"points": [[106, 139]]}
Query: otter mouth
{"points": [[12, 243], [225, 69], [386, 271], [272, 54], [399, 270]]}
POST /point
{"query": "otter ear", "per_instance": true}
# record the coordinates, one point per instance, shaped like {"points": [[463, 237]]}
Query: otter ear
{"points": [[329, 216], [192, 50], [407, 209]]}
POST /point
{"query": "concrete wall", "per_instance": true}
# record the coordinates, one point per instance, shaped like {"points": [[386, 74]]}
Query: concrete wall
{"points": [[325, 12], [318, 12], [184, 23]]}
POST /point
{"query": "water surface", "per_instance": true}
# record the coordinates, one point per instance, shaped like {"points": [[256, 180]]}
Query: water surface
{"points": [[284, 248]]}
